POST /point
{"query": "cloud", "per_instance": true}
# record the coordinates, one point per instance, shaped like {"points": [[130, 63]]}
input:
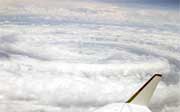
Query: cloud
{"points": [[83, 12], [77, 56]]}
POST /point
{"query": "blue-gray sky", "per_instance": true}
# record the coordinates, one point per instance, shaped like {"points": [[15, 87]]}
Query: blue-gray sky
{"points": [[169, 4]]}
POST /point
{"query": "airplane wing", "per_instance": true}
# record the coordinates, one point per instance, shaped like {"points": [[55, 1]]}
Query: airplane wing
{"points": [[144, 94], [138, 102]]}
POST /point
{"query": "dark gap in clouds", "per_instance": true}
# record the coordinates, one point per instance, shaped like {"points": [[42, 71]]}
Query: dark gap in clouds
{"points": [[4, 55]]}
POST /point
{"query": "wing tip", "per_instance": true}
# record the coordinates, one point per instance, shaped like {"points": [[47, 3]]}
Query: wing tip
{"points": [[159, 75]]}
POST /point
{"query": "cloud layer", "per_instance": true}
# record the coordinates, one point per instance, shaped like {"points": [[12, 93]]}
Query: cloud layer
{"points": [[64, 56]]}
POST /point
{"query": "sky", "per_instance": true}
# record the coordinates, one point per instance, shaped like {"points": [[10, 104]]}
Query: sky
{"points": [[165, 4], [175, 2], [79, 55]]}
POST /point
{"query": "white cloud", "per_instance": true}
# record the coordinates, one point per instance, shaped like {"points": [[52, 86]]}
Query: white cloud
{"points": [[79, 66], [86, 11]]}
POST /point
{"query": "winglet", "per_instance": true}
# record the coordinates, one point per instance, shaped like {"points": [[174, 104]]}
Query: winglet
{"points": [[144, 94]]}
